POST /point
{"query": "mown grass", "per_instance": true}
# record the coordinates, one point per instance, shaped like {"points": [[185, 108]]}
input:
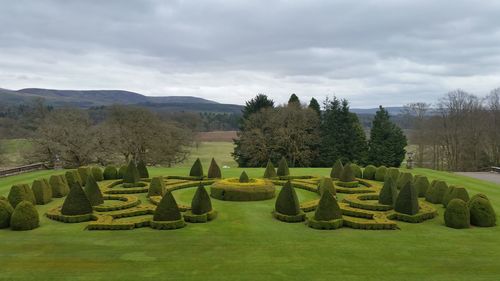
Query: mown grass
{"points": [[246, 243]]}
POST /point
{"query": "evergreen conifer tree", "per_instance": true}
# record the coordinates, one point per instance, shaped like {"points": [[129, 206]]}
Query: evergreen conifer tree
{"points": [[283, 168], [214, 171], [270, 171]]}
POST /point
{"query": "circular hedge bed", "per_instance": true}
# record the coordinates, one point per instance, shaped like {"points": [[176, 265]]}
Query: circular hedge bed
{"points": [[233, 190]]}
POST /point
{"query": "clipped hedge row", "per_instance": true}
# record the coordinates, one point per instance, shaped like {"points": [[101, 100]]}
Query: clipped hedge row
{"points": [[55, 214], [359, 201]]}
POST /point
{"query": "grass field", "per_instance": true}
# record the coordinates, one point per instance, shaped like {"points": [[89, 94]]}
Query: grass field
{"points": [[246, 243]]}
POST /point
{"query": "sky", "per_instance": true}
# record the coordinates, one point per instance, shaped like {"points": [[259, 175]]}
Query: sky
{"points": [[388, 52]]}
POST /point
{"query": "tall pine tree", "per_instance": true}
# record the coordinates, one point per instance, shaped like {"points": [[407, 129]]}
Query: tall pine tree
{"points": [[387, 141], [314, 105]]}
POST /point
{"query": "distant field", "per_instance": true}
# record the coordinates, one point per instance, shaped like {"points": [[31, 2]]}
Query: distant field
{"points": [[11, 154], [218, 136], [206, 150]]}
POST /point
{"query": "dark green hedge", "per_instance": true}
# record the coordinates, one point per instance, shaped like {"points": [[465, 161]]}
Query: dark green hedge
{"points": [[369, 172], [76, 203], [24, 217], [42, 192], [244, 177], [283, 169], [214, 171], [167, 209], [156, 187], [326, 184], [196, 169], [59, 186], [6, 211], [422, 184], [388, 193], [457, 214], [347, 174], [481, 212], [110, 173], [93, 192], [403, 179], [270, 171], [336, 170], [201, 203], [436, 192], [380, 173], [407, 200], [97, 173], [328, 208], [287, 202], [20, 192], [142, 169], [122, 171]]}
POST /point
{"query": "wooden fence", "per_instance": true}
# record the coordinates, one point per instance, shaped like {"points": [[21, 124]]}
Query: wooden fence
{"points": [[23, 169]]}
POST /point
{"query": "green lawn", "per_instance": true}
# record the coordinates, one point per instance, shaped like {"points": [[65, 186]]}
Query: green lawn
{"points": [[246, 243]]}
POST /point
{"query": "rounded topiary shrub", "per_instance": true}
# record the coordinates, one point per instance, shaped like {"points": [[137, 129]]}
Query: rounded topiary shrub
{"points": [[6, 211], [455, 192], [287, 207], [214, 171], [97, 173], [407, 200], [110, 173], [93, 192], [403, 179], [422, 185], [358, 173], [142, 169], [380, 173], [59, 186], [122, 171], [24, 217], [326, 184], [84, 172], [76, 203], [42, 192], [270, 171], [283, 169], [393, 173], [347, 174], [156, 187], [369, 172], [457, 214], [336, 169], [196, 169], [388, 193], [436, 192], [20, 192], [481, 212]]}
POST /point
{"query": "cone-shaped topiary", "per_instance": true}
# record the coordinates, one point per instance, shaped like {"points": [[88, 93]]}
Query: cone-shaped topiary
{"points": [[336, 169], [93, 192], [201, 203], [357, 171], [24, 217], [457, 214], [407, 200], [76, 203], [97, 173], [196, 169], [347, 174], [20, 192], [326, 184], [369, 172], [244, 177], [403, 179], [110, 173], [270, 171], [422, 185], [455, 192], [72, 176], [131, 174], [481, 212], [380, 173], [388, 193], [436, 192], [122, 171], [214, 171], [328, 208], [58, 186], [287, 202], [394, 173], [283, 168], [142, 169], [42, 192], [84, 172], [156, 187], [6, 211], [167, 209]]}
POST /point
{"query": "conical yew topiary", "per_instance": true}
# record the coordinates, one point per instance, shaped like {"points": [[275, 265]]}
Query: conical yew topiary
{"points": [[403, 179], [328, 208], [481, 212], [380, 173], [326, 184], [214, 171], [156, 187], [58, 186], [20, 192], [336, 170], [436, 192], [407, 200], [357, 171], [42, 192], [110, 173], [457, 214], [24, 217], [167, 209], [72, 176], [97, 173], [347, 174], [283, 169], [6, 211], [369, 172], [196, 169], [76, 203], [422, 185], [131, 174], [201, 203], [142, 169], [122, 171], [93, 192], [84, 172], [287, 202], [388, 193], [392, 172], [244, 177], [270, 171]]}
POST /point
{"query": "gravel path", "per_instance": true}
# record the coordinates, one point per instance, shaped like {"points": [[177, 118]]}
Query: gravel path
{"points": [[487, 176]]}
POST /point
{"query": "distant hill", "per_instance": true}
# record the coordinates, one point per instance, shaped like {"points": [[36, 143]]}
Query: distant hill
{"points": [[395, 110]]}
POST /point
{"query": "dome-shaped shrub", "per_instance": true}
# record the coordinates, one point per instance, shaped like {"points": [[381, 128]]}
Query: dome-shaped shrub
{"points": [[42, 192], [76, 203], [20, 192], [283, 169], [393, 173], [97, 173], [369, 172], [6, 211], [287, 202], [156, 187], [214, 171], [131, 174], [84, 172], [455, 192], [481, 212], [72, 176], [244, 177], [407, 200], [167, 209], [388, 193], [142, 169], [122, 171], [58, 186], [403, 179], [201, 203], [270, 171], [326, 184], [93, 192], [110, 173], [336, 169], [380, 173], [422, 185], [436, 192], [196, 169], [24, 217], [457, 214], [358, 173], [347, 174]]}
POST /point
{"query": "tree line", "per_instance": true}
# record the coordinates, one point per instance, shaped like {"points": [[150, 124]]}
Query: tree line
{"points": [[314, 136], [459, 133]]}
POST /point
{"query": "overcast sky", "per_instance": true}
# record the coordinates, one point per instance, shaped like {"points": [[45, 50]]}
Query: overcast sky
{"points": [[370, 52]]}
